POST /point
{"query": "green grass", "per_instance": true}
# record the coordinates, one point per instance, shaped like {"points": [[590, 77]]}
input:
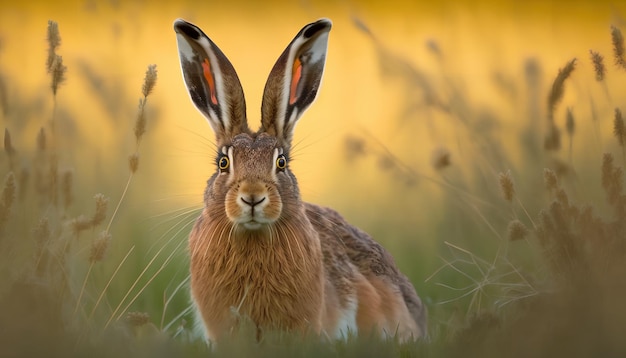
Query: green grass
{"points": [[527, 259]]}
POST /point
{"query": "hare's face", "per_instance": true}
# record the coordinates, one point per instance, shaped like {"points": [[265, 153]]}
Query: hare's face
{"points": [[252, 186], [252, 172]]}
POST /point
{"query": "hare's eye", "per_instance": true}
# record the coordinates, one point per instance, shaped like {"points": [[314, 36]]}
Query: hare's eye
{"points": [[281, 162], [223, 163]]}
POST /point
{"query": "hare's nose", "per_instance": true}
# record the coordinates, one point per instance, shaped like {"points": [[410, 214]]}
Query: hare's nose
{"points": [[251, 200]]}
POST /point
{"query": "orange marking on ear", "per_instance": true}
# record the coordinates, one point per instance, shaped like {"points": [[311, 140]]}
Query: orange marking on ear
{"points": [[296, 75], [206, 69]]}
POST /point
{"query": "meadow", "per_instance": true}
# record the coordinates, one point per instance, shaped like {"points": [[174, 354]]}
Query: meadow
{"points": [[491, 150]]}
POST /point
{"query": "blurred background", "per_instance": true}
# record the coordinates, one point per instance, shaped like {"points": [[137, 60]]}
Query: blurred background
{"points": [[423, 109]]}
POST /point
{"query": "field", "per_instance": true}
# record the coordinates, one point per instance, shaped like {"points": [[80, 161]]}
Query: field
{"points": [[482, 144]]}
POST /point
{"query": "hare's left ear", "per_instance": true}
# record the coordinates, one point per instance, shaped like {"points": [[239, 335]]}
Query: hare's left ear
{"points": [[212, 82], [293, 82]]}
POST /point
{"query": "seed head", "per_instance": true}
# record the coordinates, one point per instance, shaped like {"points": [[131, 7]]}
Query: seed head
{"points": [[558, 86], [598, 65], [618, 127], [506, 185], [517, 230], [58, 73], [149, 81], [140, 123], [137, 319], [101, 210], [550, 179], [99, 247], [618, 47], [54, 41]]}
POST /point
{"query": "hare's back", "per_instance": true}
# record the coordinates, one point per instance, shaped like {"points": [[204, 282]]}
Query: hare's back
{"points": [[342, 241]]}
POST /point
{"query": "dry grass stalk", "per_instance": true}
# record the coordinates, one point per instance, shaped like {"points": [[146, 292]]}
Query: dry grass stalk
{"points": [[9, 149], [41, 140], [570, 124], [42, 235], [7, 199], [506, 186], [8, 145], [618, 47], [570, 127], [355, 147], [133, 162], [619, 130], [67, 182], [598, 65]]}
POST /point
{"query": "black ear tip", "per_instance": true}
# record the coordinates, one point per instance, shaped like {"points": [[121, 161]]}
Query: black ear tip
{"points": [[317, 26], [183, 27]]}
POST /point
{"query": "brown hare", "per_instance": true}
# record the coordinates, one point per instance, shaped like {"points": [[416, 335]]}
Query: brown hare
{"points": [[257, 247]]}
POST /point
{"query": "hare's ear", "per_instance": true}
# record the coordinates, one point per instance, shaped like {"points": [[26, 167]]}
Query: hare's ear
{"points": [[211, 81], [293, 83]]}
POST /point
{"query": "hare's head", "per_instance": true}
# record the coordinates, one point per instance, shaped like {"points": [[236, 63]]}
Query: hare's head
{"points": [[252, 184]]}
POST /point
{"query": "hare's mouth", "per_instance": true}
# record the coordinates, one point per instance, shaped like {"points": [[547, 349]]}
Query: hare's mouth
{"points": [[253, 225]]}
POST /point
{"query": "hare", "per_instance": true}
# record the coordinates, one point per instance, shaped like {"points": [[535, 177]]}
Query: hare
{"points": [[256, 246]]}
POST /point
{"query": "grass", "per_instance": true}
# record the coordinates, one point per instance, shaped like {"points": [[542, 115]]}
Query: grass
{"points": [[530, 256]]}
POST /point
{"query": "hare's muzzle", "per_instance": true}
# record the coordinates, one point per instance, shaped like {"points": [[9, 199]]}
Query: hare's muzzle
{"points": [[253, 205]]}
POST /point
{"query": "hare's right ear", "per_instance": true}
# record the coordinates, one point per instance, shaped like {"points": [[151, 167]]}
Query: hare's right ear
{"points": [[211, 81], [293, 82]]}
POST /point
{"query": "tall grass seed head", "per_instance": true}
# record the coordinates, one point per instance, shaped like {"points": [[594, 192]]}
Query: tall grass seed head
{"points": [[99, 247], [558, 86], [149, 80], [58, 73], [506, 185], [618, 47], [140, 122], [100, 214], [618, 127], [517, 230], [598, 65], [550, 179], [54, 41]]}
